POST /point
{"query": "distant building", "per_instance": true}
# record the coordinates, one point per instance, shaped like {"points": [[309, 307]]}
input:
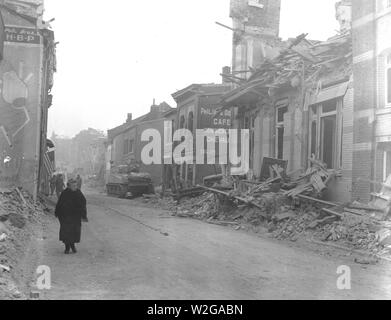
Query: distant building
{"points": [[124, 143]]}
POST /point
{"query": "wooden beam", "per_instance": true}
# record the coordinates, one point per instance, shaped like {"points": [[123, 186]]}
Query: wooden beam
{"points": [[332, 204], [333, 213]]}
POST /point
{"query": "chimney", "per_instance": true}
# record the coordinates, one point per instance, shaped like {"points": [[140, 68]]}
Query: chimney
{"points": [[130, 116], [226, 70]]}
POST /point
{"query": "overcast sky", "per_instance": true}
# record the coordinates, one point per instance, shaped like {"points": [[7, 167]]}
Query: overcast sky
{"points": [[115, 57]]}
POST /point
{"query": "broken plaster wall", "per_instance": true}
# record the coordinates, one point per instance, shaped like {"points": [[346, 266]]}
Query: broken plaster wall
{"points": [[293, 123], [255, 26], [21, 111], [294, 143]]}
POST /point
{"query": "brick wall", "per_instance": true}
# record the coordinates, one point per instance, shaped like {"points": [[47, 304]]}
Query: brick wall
{"points": [[267, 18], [340, 189]]}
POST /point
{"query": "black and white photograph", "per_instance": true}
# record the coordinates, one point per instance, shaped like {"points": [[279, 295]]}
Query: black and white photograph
{"points": [[210, 150]]}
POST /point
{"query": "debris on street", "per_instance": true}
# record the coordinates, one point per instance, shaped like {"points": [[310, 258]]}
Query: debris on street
{"points": [[286, 208], [18, 215]]}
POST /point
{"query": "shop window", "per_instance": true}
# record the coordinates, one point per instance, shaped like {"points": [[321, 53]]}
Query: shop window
{"points": [[326, 133], [280, 131]]}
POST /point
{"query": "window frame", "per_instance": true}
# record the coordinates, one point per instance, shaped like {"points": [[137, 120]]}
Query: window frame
{"points": [[278, 125], [317, 116]]}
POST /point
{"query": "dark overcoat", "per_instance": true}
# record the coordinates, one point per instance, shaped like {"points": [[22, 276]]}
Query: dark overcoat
{"points": [[70, 210]]}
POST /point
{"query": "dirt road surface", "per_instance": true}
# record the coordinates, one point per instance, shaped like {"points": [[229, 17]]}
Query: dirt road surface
{"points": [[132, 252]]}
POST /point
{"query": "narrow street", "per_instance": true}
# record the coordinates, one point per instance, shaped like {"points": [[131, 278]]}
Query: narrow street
{"points": [[130, 252]]}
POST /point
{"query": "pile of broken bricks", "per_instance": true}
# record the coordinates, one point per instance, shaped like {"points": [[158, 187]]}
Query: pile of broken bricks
{"points": [[353, 226], [17, 212]]}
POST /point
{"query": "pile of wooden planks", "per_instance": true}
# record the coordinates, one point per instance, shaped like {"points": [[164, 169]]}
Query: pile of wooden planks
{"points": [[314, 181]]}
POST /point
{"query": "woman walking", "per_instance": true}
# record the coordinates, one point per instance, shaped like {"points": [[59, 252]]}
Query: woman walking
{"points": [[71, 210]]}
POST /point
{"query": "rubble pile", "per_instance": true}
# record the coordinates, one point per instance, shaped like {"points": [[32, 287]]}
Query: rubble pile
{"points": [[18, 212], [287, 207], [285, 220], [351, 231], [313, 182], [154, 200], [355, 232]]}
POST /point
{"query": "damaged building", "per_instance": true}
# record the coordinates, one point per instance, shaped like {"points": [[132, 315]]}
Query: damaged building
{"points": [[197, 109], [26, 70], [325, 100]]}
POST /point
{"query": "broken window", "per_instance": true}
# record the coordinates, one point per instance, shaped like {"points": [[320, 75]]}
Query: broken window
{"points": [[326, 132], [280, 131]]}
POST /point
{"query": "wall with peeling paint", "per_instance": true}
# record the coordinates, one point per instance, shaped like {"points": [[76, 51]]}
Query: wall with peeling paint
{"points": [[20, 105]]}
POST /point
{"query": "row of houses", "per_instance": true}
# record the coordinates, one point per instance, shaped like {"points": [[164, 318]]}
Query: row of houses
{"points": [[28, 62], [299, 98]]}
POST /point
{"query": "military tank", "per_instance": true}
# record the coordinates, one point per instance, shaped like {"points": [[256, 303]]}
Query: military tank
{"points": [[127, 181]]}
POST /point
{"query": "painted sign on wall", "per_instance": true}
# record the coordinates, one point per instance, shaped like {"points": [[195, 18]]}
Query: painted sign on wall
{"points": [[209, 115], [22, 35], [20, 73]]}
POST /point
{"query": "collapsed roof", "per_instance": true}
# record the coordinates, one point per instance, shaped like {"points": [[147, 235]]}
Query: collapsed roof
{"points": [[300, 63]]}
